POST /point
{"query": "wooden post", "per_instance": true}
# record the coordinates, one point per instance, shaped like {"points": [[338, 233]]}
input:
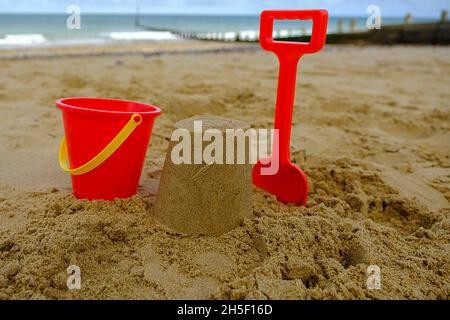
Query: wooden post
{"points": [[408, 18], [340, 26], [352, 25], [444, 16]]}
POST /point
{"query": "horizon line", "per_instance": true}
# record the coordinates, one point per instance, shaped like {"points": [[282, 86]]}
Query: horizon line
{"points": [[196, 14]]}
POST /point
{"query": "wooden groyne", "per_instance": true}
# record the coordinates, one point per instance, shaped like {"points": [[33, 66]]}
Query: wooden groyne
{"points": [[434, 33], [420, 34]]}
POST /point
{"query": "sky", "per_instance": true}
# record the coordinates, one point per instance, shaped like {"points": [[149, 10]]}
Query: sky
{"points": [[395, 8]]}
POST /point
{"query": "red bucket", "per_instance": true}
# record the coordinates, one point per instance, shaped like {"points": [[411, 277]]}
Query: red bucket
{"points": [[105, 145]]}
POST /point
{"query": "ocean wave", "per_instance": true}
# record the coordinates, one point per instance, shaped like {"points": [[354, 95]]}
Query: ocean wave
{"points": [[78, 41], [29, 40], [143, 35], [13, 40]]}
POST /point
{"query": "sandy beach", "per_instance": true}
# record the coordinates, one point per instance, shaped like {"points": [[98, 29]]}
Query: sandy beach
{"points": [[371, 130]]}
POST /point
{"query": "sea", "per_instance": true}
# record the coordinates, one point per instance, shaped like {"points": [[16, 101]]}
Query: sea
{"points": [[24, 30]]}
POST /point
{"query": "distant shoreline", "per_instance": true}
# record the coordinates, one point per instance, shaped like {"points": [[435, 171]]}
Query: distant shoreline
{"points": [[146, 49]]}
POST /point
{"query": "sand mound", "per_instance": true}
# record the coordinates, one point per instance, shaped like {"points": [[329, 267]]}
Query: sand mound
{"points": [[321, 251]]}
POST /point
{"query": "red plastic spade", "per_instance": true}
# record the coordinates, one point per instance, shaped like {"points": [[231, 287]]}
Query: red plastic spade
{"points": [[289, 182]]}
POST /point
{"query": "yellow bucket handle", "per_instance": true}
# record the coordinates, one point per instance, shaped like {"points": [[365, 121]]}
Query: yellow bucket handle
{"points": [[136, 120]]}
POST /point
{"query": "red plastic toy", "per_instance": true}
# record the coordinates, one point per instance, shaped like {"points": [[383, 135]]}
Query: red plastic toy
{"points": [[105, 145], [289, 183]]}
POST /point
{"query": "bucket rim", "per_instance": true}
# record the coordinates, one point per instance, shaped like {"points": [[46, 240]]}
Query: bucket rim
{"points": [[63, 104]]}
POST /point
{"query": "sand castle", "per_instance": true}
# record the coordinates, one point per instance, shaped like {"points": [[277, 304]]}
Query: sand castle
{"points": [[205, 198]]}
